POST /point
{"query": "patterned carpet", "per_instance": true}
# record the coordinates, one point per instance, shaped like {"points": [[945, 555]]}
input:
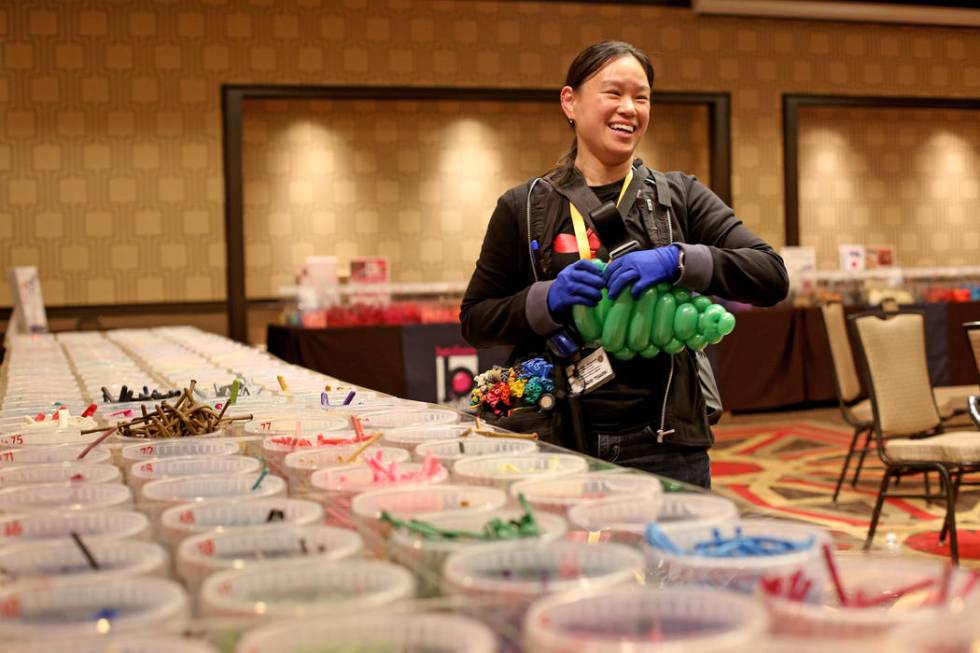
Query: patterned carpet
{"points": [[789, 470]]}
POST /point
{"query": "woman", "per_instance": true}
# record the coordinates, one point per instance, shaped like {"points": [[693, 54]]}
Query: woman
{"points": [[531, 270]]}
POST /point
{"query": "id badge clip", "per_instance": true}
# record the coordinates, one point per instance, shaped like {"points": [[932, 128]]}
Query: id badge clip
{"points": [[589, 372]]}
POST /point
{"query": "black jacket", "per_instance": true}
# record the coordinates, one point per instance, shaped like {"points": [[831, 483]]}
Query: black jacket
{"points": [[506, 300]]}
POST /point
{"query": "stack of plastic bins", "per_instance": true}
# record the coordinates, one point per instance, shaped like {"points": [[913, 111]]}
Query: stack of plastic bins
{"points": [[449, 451], [505, 577], [178, 448], [378, 631], [45, 437], [155, 469], [306, 425], [503, 470], [168, 492], [676, 511], [65, 496], [645, 620], [560, 494], [275, 448], [426, 555], [395, 418], [202, 555], [36, 527], [188, 519], [410, 437], [63, 559], [300, 465], [57, 453], [59, 473], [417, 502]]}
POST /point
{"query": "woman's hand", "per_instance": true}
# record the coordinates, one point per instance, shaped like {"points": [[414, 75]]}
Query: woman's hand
{"points": [[643, 269], [579, 283]]}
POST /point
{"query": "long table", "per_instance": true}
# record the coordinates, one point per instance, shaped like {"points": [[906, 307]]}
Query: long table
{"points": [[775, 358]]}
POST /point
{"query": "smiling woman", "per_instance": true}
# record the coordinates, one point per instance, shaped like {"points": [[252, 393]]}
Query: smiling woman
{"points": [[642, 409]]}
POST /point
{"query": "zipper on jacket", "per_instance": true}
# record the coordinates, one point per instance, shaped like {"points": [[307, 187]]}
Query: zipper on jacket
{"points": [[663, 408]]}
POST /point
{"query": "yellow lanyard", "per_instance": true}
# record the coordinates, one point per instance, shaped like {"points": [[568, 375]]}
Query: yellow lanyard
{"points": [[578, 222]]}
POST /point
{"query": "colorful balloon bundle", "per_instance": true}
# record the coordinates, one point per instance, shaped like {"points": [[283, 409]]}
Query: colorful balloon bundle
{"points": [[501, 389], [663, 319]]}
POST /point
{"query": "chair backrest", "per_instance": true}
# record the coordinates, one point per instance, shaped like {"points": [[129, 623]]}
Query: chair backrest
{"points": [[973, 335], [893, 357], [848, 384]]}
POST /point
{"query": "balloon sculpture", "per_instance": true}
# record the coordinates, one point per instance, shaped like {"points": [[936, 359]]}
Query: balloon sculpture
{"points": [[664, 318]]}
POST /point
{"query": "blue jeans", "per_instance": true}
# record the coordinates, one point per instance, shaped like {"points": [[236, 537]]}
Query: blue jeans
{"points": [[640, 450]]}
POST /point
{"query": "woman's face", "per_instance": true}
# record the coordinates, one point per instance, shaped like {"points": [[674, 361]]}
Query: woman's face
{"points": [[611, 110]]}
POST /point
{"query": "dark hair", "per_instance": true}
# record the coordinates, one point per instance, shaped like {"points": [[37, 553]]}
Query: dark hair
{"points": [[588, 62]]}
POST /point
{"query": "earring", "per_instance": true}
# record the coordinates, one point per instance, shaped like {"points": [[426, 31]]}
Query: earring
{"points": [[571, 122]]}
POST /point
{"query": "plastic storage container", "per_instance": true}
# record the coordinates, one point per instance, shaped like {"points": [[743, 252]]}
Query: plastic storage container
{"points": [[426, 555], [644, 620], [407, 633], [411, 502], [45, 437], [202, 555], [740, 573], [503, 470], [63, 560], [53, 454], [166, 492], [957, 634], [298, 588], [92, 606], [195, 446], [91, 524], [118, 644], [65, 496], [276, 447], [907, 590], [154, 469], [677, 511], [401, 417], [59, 473], [300, 465], [451, 450], [559, 494], [178, 522], [409, 437]]}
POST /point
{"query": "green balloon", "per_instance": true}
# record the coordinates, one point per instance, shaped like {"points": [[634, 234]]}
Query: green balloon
{"points": [[726, 323], [625, 354], [663, 287], [617, 322], [602, 309], [714, 309], [708, 324], [675, 346], [587, 323], [638, 335], [701, 302], [682, 295], [715, 338], [663, 320], [599, 264], [697, 342], [685, 321], [650, 351]]}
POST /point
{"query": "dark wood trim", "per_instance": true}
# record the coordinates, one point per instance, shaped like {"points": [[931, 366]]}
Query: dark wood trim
{"points": [[233, 95], [792, 103], [96, 310]]}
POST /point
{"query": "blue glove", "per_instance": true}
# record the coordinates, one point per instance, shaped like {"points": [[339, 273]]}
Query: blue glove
{"points": [[643, 269], [579, 283]]}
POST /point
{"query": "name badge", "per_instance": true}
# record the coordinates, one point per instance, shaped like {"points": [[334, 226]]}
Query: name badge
{"points": [[589, 373]]}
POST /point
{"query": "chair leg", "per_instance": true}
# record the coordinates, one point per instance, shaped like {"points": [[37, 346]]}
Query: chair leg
{"points": [[928, 484], [847, 463], [876, 514], [957, 478], [950, 521], [864, 452]]}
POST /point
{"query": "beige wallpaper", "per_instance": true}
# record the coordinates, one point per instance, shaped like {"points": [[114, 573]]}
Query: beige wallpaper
{"points": [[110, 146], [413, 181], [909, 179]]}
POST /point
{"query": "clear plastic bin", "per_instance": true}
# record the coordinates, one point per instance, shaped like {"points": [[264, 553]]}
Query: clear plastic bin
{"points": [[559, 494], [91, 524], [59, 473], [678, 510], [118, 644], [176, 448], [167, 492], [451, 450], [45, 437], [179, 522], [202, 555], [407, 633], [65, 496], [744, 572], [426, 556], [409, 437], [644, 620], [308, 426], [275, 448], [873, 577], [337, 485], [503, 470], [61, 560], [413, 502], [400, 417], [300, 465], [299, 588], [53, 454], [959, 633], [153, 469], [92, 606]]}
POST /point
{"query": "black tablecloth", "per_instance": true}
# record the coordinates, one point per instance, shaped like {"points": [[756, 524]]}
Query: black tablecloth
{"points": [[775, 358]]}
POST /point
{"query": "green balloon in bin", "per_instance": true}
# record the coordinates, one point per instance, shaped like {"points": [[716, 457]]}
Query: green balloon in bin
{"points": [[663, 319]]}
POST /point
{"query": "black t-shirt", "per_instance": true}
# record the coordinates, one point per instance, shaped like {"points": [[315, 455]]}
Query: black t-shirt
{"points": [[634, 398]]}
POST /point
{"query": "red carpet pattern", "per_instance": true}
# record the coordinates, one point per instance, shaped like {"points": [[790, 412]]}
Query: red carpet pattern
{"points": [[789, 471]]}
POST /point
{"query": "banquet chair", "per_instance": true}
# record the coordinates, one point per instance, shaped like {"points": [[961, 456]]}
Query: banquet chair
{"points": [[972, 330], [892, 358]]}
